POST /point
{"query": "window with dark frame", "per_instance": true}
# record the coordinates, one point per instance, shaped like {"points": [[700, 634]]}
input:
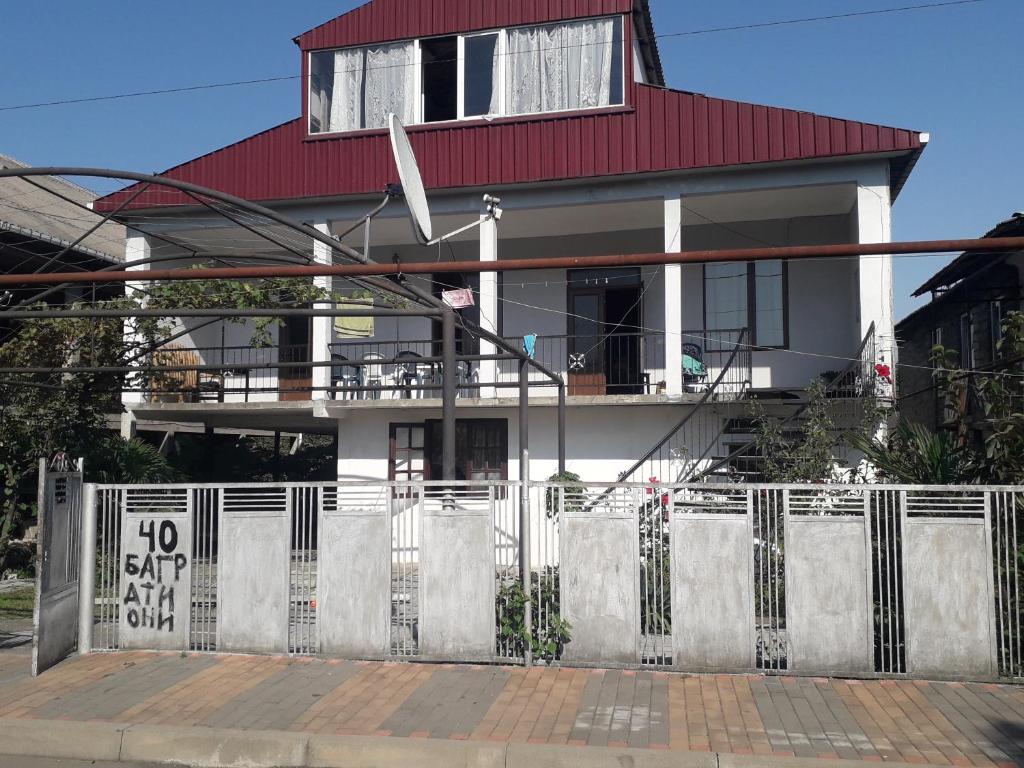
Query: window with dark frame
{"points": [[481, 452], [966, 341], [996, 327], [750, 295]]}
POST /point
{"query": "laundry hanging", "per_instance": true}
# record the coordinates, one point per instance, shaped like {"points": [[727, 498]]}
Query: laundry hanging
{"points": [[353, 327]]}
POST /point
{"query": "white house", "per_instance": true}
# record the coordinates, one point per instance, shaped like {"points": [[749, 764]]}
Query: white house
{"points": [[561, 110]]}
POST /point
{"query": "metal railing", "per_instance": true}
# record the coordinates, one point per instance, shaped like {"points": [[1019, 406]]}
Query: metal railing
{"points": [[860, 579], [177, 373], [848, 390]]}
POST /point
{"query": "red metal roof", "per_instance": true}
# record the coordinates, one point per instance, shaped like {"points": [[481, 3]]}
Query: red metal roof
{"points": [[665, 130], [382, 20]]}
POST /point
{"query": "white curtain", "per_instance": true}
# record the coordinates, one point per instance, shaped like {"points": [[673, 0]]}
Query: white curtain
{"points": [[389, 84], [565, 66], [347, 91], [588, 63]]}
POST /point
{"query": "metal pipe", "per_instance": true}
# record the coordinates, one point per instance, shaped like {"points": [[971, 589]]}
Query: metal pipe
{"points": [[524, 507], [272, 215], [87, 569], [561, 429], [364, 269], [448, 392], [118, 314]]}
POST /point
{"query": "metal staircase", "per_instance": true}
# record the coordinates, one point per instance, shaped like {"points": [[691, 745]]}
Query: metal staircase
{"points": [[848, 391], [694, 449], [674, 457]]}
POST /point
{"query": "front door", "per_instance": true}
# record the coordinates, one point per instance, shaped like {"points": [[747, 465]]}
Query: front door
{"points": [[295, 347], [605, 318]]}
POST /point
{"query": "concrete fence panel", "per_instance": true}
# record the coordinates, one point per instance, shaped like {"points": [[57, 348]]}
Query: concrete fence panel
{"points": [[947, 573], [457, 577], [600, 578], [354, 563], [253, 570], [828, 599], [156, 569], [712, 599]]}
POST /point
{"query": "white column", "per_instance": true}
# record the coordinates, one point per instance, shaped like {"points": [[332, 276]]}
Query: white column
{"points": [[488, 299], [137, 247], [874, 223], [323, 327], [673, 297]]}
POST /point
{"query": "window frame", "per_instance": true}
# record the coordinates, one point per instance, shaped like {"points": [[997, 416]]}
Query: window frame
{"points": [[752, 306], [967, 341], [995, 319], [503, 114], [393, 450]]}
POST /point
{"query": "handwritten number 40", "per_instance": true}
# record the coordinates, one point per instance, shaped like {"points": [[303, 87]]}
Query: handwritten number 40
{"points": [[168, 536]]}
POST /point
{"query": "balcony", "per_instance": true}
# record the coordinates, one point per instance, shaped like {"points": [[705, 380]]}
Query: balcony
{"points": [[243, 374], [593, 366]]}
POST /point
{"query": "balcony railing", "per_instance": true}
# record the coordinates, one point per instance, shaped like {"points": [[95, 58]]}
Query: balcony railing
{"points": [[612, 364], [228, 374]]}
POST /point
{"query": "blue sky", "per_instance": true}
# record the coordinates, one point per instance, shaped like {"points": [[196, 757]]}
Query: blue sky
{"points": [[954, 72]]}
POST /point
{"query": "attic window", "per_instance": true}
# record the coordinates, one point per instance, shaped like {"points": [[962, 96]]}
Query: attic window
{"points": [[567, 66]]}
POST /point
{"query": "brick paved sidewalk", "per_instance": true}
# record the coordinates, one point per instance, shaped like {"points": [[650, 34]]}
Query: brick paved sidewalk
{"points": [[914, 722]]}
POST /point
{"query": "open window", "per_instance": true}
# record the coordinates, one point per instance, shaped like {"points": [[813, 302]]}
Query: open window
{"points": [[440, 78]]}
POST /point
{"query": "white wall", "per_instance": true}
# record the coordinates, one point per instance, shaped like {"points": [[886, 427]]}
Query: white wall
{"points": [[823, 312], [601, 441]]}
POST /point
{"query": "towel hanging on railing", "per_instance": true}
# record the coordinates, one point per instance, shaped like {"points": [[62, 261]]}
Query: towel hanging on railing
{"points": [[354, 327]]}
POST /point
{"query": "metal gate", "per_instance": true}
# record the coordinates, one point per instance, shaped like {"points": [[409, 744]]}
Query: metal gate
{"points": [[60, 521]]}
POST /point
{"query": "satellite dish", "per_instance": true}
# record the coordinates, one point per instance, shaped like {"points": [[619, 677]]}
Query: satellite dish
{"points": [[412, 181]]}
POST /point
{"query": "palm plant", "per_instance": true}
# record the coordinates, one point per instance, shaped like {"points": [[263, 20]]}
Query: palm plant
{"points": [[129, 461], [914, 454]]}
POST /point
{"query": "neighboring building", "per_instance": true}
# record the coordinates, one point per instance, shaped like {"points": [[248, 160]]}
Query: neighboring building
{"points": [[41, 229], [969, 300], [562, 110]]}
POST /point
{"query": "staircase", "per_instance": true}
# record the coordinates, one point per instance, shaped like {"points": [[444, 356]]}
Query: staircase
{"points": [[695, 449], [848, 391], [673, 458]]}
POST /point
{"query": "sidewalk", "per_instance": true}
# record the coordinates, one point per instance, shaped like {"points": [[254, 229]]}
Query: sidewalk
{"points": [[959, 724]]}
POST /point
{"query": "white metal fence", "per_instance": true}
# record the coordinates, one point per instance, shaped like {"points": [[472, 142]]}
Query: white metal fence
{"points": [[866, 579]]}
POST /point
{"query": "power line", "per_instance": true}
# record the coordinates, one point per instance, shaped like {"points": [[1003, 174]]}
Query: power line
{"points": [[667, 36]]}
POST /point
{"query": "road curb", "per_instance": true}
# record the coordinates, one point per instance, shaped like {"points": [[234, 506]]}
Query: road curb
{"points": [[64, 739], [221, 748]]}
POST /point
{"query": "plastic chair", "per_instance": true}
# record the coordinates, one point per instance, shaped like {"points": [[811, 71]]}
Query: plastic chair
{"points": [[695, 373], [376, 376], [345, 377], [410, 374]]}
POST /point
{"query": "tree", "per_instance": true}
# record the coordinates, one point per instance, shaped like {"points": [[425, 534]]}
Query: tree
{"points": [[807, 450], [43, 413]]}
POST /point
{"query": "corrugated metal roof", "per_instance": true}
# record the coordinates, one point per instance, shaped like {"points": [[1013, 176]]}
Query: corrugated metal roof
{"points": [[966, 264], [665, 130], [36, 213]]}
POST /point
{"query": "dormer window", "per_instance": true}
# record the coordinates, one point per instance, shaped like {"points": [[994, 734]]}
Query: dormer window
{"points": [[525, 70]]}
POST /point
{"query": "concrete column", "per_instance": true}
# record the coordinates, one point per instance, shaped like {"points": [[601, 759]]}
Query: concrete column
{"points": [[136, 247], [874, 225], [322, 326], [673, 298], [488, 299]]}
